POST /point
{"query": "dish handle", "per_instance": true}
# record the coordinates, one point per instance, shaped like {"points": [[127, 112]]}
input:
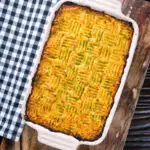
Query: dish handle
{"points": [[115, 5], [57, 140]]}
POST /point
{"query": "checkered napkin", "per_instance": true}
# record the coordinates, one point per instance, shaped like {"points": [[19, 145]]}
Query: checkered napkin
{"points": [[21, 30]]}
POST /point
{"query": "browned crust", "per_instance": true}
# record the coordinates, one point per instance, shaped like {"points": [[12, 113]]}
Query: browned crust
{"points": [[58, 12]]}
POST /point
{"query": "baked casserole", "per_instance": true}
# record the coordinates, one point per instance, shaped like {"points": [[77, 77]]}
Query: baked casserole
{"points": [[80, 71]]}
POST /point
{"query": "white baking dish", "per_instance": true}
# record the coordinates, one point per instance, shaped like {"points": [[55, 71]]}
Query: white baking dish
{"points": [[60, 140]]}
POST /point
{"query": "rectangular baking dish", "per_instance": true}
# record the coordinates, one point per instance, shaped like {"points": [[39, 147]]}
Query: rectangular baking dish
{"points": [[60, 140]]}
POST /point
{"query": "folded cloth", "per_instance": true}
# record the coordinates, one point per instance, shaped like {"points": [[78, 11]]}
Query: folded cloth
{"points": [[21, 30]]}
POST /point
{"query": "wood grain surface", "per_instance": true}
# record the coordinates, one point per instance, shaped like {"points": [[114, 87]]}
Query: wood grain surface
{"points": [[139, 132], [117, 134]]}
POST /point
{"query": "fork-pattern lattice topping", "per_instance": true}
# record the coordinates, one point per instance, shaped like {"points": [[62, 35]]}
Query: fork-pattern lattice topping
{"points": [[80, 71]]}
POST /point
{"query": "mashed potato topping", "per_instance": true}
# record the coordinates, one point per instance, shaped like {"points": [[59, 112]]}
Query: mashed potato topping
{"points": [[79, 72]]}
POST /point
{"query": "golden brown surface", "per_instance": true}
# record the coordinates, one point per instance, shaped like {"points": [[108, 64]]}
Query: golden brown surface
{"points": [[79, 72]]}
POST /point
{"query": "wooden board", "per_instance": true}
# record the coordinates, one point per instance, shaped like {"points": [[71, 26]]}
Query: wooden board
{"points": [[117, 134], [139, 132]]}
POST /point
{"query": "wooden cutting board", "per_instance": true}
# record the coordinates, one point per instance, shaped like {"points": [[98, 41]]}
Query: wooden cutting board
{"points": [[117, 134]]}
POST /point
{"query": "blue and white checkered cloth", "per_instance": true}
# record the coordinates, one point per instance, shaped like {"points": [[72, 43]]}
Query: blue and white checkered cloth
{"points": [[21, 30]]}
